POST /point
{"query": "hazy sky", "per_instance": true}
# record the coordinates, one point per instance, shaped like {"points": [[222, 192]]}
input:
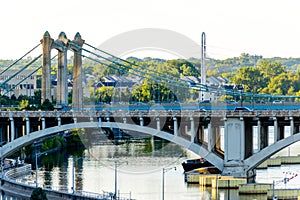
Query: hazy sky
{"points": [[267, 28]]}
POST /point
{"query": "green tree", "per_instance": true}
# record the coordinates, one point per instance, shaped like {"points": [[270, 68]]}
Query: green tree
{"points": [[38, 194], [47, 105], [23, 104]]}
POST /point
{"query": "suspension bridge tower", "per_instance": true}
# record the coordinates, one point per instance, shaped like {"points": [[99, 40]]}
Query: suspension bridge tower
{"points": [[62, 45]]}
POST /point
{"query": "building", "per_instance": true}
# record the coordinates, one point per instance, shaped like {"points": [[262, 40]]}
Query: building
{"points": [[18, 83]]}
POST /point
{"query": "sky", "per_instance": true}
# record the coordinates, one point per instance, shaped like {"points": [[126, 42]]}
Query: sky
{"points": [[232, 27]]}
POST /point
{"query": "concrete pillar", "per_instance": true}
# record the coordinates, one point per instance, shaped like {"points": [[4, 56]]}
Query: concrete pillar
{"points": [[211, 143], [200, 134], [46, 65], [276, 130], [27, 125], [292, 124], [192, 129], [12, 129], [234, 139], [77, 98], [43, 123], [141, 121], [258, 135], [62, 72], [58, 121], [75, 120], [175, 126], [234, 131], [264, 140], [124, 120], [157, 123], [249, 139]]}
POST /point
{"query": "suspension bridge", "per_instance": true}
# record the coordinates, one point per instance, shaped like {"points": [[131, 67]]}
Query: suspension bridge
{"points": [[235, 142]]}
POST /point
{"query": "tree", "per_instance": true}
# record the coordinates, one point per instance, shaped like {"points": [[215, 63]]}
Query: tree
{"points": [[38, 194], [47, 105]]}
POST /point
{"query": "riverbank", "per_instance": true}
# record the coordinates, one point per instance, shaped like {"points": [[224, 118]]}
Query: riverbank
{"points": [[12, 184]]}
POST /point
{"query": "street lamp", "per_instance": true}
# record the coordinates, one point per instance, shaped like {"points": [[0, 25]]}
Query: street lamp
{"points": [[165, 170], [117, 163], [36, 167]]}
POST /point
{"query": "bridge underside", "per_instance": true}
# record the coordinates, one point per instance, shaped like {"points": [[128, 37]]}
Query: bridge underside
{"points": [[237, 159]]}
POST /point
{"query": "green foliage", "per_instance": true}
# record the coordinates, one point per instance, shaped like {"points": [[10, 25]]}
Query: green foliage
{"points": [[38, 194], [47, 105], [23, 104], [52, 143]]}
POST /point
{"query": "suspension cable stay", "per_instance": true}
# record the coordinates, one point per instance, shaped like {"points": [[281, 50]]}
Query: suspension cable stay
{"points": [[11, 65]]}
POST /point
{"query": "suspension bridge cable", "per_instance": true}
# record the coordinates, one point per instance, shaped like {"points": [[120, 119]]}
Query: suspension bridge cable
{"points": [[115, 62], [131, 63], [122, 69], [11, 65], [22, 69], [21, 81], [122, 65]]}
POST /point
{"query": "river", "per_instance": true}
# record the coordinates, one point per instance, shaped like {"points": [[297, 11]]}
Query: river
{"points": [[139, 166]]}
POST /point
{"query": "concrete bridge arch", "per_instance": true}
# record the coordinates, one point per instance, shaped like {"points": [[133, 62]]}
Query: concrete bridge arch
{"points": [[16, 144], [267, 152]]}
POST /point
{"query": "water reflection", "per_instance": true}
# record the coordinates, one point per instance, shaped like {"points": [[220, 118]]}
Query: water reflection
{"points": [[141, 178]]}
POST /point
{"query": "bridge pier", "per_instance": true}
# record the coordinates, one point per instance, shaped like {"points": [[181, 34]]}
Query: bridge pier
{"points": [[192, 129], [43, 123], [27, 125], [264, 141], [292, 124], [234, 152], [58, 121], [12, 129], [211, 137], [157, 123], [175, 126]]}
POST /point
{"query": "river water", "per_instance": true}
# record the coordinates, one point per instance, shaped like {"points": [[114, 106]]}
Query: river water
{"points": [[139, 165]]}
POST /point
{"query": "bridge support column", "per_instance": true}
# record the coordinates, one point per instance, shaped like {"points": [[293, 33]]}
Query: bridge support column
{"points": [[258, 135], [27, 125], [43, 123], [46, 65], [77, 96], [234, 148], [12, 129], [200, 134], [248, 138], [264, 141], [157, 123], [175, 126], [292, 124], [276, 130], [62, 72], [192, 129], [58, 121], [211, 143], [141, 121]]}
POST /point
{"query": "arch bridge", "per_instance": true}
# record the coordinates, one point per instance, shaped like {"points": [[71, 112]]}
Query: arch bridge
{"points": [[234, 142]]}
